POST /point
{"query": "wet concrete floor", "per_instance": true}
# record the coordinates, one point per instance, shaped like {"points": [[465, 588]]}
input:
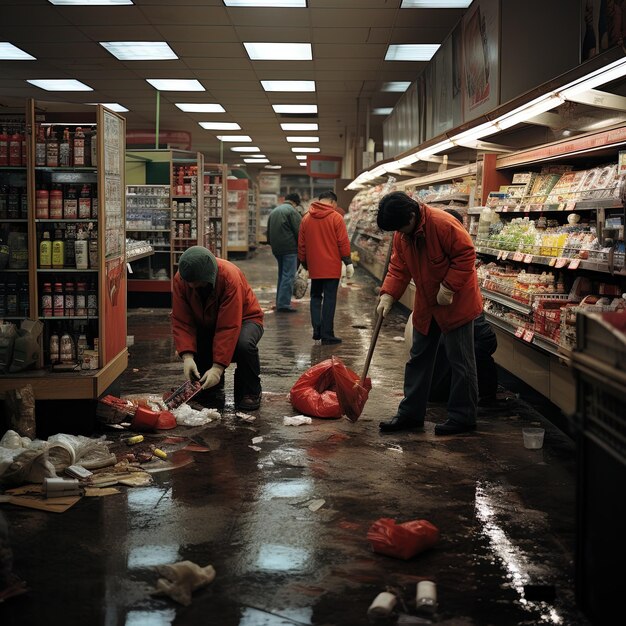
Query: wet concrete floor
{"points": [[506, 514]]}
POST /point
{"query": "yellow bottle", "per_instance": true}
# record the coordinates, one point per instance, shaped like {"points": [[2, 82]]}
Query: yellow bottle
{"points": [[58, 254], [45, 251]]}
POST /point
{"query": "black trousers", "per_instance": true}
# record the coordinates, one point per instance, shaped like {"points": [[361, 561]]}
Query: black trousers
{"points": [[246, 356]]}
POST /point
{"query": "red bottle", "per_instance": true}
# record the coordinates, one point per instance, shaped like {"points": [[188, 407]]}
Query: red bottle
{"points": [[56, 204], [42, 204], [15, 149], [23, 135]]}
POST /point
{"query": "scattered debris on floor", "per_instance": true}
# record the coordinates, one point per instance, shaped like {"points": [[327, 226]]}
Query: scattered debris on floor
{"points": [[245, 416], [296, 420], [315, 505], [256, 440], [403, 541], [181, 579]]}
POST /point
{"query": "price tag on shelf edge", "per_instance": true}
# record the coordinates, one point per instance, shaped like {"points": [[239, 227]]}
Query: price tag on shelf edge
{"points": [[560, 262], [499, 255], [505, 255], [552, 261], [528, 258], [573, 264], [528, 335], [519, 332], [518, 256], [571, 205]]}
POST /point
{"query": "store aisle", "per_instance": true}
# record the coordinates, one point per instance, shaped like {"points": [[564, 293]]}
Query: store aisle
{"points": [[506, 514]]}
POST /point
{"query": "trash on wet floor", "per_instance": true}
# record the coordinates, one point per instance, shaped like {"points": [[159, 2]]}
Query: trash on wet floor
{"points": [[382, 606], [398, 338], [180, 580], [288, 457], [315, 505], [402, 541], [255, 448], [256, 440], [188, 416], [394, 447], [296, 420], [246, 417]]}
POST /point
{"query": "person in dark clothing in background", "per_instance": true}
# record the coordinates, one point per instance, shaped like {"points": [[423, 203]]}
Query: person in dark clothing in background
{"points": [[485, 344], [283, 225]]}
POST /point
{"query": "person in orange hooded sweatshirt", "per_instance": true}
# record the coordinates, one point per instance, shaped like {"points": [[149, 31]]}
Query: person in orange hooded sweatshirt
{"points": [[322, 245], [216, 319], [432, 248]]}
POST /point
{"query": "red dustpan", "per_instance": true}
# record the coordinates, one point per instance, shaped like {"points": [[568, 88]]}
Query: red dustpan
{"points": [[352, 392]]}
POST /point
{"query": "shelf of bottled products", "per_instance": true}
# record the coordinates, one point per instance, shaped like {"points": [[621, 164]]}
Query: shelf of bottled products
{"points": [[214, 234], [65, 249], [164, 209]]}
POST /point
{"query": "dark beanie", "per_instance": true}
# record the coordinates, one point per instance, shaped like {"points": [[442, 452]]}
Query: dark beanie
{"points": [[198, 264], [293, 197]]}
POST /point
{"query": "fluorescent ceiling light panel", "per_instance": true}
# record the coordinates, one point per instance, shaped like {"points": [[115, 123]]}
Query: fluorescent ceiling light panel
{"points": [[175, 84], [291, 127], [256, 161], [200, 107], [245, 149], [302, 164], [296, 139], [273, 167], [9, 52], [382, 111], [59, 84], [90, 3], [272, 51], [300, 157], [254, 156], [114, 106], [288, 85], [411, 51], [234, 138], [305, 149], [220, 125], [435, 4], [139, 50], [398, 86], [295, 108], [266, 3]]}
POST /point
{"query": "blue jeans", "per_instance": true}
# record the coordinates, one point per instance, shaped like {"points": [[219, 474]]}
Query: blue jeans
{"points": [[287, 265], [323, 302], [418, 374]]}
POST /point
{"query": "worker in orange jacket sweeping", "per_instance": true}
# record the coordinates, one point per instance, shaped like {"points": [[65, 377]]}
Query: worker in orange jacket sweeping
{"points": [[432, 248], [216, 319]]}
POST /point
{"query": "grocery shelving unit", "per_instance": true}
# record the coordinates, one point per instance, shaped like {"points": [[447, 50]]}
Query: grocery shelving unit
{"points": [[253, 215], [237, 211], [77, 294], [543, 187], [214, 215], [165, 207]]}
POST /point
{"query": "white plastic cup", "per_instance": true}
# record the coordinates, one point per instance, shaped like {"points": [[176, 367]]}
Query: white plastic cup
{"points": [[382, 606], [426, 596], [533, 438]]}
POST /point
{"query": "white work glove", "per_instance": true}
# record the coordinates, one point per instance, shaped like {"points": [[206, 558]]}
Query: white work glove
{"points": [[303, 273], [212, 376], [385, 302], [190, 368], [349, 271], [444, 295]]}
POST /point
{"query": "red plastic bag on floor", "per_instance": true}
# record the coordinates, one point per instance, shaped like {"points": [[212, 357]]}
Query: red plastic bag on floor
{"points": [[403, 541], [314, 392]]}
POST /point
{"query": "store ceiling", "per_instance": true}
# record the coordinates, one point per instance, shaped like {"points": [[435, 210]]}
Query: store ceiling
{"points": [[349, 41]]}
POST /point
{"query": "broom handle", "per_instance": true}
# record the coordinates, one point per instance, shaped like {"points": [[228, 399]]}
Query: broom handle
{"points": [[370, 352], [379, 321]]}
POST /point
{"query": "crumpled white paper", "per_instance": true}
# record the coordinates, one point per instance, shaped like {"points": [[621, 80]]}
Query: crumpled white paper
{"points": [[181, 579], [188, 416], [296, 420]]}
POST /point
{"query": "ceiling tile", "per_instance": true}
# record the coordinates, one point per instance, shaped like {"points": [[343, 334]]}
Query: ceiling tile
{"points": [[197, 34], [182, 13]]}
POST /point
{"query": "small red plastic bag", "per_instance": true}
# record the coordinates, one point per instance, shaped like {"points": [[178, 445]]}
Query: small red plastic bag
{"points": [[403, 541]]}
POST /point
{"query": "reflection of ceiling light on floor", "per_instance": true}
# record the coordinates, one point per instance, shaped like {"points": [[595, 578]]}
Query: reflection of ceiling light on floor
{"points": [[282, 558], [154, 618], [149, 556]]}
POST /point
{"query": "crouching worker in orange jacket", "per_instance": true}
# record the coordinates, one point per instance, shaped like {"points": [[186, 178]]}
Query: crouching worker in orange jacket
{"points": [[216, 319]]}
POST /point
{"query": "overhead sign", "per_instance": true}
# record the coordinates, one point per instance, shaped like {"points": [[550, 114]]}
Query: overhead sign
{"points": [[323, 166]]}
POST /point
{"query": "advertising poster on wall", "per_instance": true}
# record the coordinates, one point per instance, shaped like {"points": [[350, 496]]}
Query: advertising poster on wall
{"points": [[603, 26], [480, 58]]}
